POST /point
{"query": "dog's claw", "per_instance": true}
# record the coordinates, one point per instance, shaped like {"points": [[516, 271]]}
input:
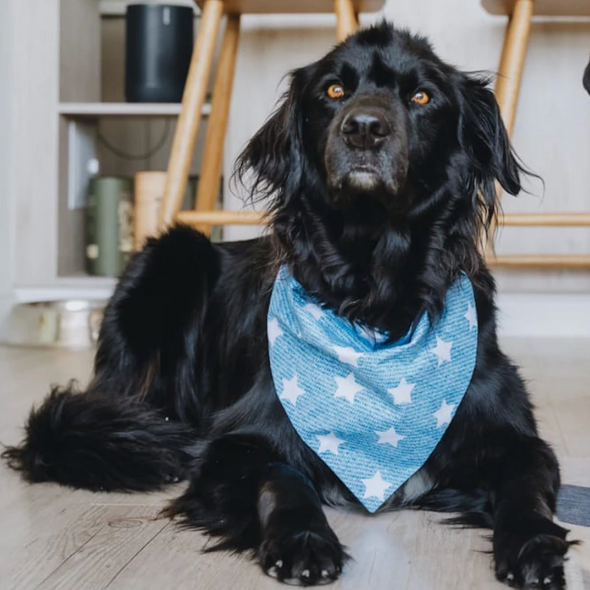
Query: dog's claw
{"points": [[303, 558]]}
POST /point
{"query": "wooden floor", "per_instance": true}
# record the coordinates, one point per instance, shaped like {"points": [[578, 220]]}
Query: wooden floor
{"points": [[54, 538]]}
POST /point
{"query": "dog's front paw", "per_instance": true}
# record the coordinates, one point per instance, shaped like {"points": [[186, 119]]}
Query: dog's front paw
{"points": [[302, 557], [532, 562]]}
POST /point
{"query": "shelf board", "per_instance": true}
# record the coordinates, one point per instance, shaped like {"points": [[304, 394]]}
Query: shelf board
{"points": [[122, 109], [85, 281]]}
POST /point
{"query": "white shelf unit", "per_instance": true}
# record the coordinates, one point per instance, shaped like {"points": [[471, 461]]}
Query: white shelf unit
{"points": [[74, 80], [90, 110]]}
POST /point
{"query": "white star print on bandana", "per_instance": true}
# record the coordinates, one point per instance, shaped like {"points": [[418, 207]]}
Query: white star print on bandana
{"points": [[372, 411]]}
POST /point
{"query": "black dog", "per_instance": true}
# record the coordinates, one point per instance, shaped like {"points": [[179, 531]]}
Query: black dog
{"points": [[380, 167]]}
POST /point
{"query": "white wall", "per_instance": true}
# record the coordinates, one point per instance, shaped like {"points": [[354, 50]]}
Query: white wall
{"points": [[552, 132], [5, 163]]}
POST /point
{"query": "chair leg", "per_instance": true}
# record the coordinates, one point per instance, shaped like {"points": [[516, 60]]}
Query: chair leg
{"points": [[192, 104], [516, 41], [512, 62], [346, 18], [217, 124]]}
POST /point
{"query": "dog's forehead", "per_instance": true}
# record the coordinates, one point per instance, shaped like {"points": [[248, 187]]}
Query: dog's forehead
{"points": [[383, 52]]}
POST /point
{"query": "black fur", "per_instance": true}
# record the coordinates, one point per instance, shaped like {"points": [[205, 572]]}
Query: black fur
{"points": [[100, 443], [378, 203]]}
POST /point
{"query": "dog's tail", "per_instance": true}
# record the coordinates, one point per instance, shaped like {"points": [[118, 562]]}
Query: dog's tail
{"points": [[100, 442]]}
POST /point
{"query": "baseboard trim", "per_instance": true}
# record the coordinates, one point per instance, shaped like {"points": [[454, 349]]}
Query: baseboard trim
{"points": [[521, 315]]}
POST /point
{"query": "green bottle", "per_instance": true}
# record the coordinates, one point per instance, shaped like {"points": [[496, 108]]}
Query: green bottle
{"points": [[109, 225]]}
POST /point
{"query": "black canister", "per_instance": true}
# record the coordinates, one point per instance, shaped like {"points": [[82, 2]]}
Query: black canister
{"points": [[159, 45]]}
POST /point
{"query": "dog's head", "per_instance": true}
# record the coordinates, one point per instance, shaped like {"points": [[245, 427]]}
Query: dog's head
{"points": [[382, 125]]}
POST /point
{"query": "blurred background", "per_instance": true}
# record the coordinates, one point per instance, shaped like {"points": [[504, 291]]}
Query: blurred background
{"points": [[67, 119]]}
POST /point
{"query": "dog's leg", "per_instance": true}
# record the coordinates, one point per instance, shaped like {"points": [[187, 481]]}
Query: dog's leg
{"points": [[242, 492], [529, 548]]}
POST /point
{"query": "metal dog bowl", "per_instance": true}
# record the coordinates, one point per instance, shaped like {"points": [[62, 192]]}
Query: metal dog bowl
{"points": [[71, 324]]}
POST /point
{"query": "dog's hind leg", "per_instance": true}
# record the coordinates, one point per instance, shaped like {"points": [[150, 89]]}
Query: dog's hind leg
{"points": [[128, 431], [241, 492]]}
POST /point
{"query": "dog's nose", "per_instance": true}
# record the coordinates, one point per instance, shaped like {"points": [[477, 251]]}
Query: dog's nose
{"points": [[365, 129]]}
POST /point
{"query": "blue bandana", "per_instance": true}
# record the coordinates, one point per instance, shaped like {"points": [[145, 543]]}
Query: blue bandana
{"points": [[372, 411]]}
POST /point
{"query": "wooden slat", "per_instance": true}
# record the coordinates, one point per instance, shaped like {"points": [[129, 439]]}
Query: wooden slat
{"points": [[509, 220], [545, 220], [222, 217], [542, 7], [293, 6], [540, 260]]}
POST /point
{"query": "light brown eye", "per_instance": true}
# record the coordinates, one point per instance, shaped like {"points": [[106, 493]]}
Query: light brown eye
{"points": [[335, 91], [421, 97]]}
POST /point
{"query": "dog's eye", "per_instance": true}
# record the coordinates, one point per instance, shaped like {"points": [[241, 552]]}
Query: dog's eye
{"points": [[335, 91], [421, 97]]}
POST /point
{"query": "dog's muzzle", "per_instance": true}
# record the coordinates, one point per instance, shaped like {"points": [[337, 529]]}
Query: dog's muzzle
{"points": [[367, 150], [365, 128]]}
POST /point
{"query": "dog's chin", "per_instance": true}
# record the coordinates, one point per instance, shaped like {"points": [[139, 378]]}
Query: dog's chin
{"points": [[365, 185], [363, 180]]}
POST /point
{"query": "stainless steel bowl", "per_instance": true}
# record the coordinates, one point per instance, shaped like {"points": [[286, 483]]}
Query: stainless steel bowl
{"points": [[71, 324]]}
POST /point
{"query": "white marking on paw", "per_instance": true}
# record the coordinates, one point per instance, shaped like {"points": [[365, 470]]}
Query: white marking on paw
{"points": [[547, 580], [510, 576], [279, 563], [325, 573], [306, 573], [272, 572]]}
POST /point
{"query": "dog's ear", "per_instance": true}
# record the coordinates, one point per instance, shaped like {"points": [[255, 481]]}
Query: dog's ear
{"points": [[483, 137], [272, 164]]}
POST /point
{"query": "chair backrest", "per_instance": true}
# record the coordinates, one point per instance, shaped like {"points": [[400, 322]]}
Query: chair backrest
{"points": [[542, 7], [293, 6]]}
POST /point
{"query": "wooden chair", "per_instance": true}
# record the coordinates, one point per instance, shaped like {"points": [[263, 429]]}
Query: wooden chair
{"points": [[196, 88], [512, 62]]}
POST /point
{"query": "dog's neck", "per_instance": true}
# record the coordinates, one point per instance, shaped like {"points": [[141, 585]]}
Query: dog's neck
{"points": [[372, 269]]}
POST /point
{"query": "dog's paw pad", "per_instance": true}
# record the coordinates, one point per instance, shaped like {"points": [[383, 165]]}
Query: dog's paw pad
{"points": [[303, 558]]}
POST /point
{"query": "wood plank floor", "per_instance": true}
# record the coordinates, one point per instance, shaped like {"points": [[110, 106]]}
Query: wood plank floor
{"points": [[53, 538]]}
